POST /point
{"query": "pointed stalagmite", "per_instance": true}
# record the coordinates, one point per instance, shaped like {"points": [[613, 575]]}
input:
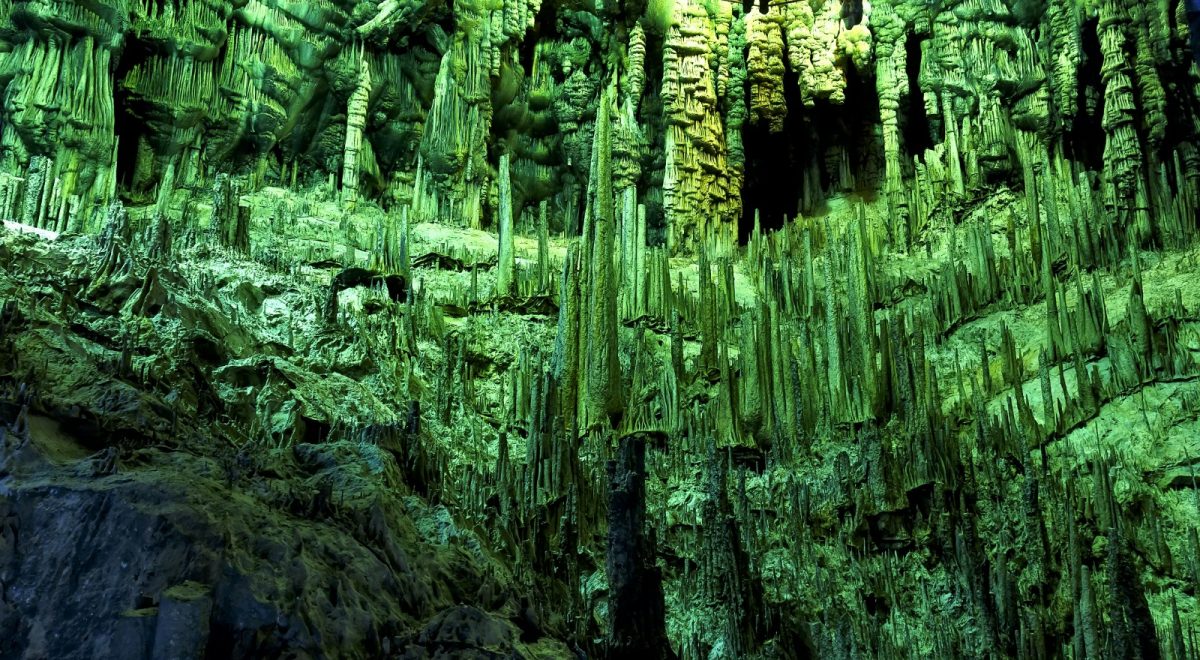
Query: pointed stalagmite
{"points": [[604, 368], [507, 259]]}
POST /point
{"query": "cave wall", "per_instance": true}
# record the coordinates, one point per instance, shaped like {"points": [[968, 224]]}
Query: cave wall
{"points": [[122, 98], [947, 409]]}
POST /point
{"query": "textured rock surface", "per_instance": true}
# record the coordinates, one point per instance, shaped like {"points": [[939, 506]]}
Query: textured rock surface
{"points": [[120, 543], [327, 329], [406, 100]]}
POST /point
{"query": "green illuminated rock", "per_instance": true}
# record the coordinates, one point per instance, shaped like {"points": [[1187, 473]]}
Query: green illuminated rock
{"points": [[522, 328]]}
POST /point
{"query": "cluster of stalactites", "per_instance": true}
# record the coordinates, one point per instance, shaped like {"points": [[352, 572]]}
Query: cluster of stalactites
{"points": [[818, 48], [987, 88], [60, 93], [214, 79], [701, 191], [227, 81], [453, 168], [57, 125]]}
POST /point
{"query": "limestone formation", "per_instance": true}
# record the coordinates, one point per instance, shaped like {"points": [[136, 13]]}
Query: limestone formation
{"points": [[356, 118], [605, 398], [506, 255], [535, 329], [697, 182]]}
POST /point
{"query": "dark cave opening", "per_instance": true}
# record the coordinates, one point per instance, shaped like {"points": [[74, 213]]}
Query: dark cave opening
{"points": [[768, 182], [650, 116], [852, 12], [823, 150], [916, 130], [1181, 107], [1085, 139], [128, 129], [545, 29]]}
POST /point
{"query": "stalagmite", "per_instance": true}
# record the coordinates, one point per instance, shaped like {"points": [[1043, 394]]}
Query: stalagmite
{"points": [[543, 248], [605, 399], [506, 270]]}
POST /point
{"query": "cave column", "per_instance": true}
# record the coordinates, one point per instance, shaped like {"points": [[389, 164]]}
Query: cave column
{"points": [[636, 603], [1122, 150], [891, 77], [634, 81], [356, 120]]}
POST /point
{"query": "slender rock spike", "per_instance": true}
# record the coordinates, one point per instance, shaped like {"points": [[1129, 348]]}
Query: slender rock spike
{"points": [[604, 368]]}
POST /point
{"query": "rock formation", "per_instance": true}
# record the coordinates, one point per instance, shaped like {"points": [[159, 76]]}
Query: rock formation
{"points": [[677, 328]]}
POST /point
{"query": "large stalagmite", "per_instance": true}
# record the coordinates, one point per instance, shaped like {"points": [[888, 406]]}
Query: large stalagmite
{"points": [[605, 397]]}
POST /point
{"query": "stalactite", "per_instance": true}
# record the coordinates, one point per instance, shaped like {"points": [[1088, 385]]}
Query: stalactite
{"points": [[765, 68], [1122, 157], [812, 39]]}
